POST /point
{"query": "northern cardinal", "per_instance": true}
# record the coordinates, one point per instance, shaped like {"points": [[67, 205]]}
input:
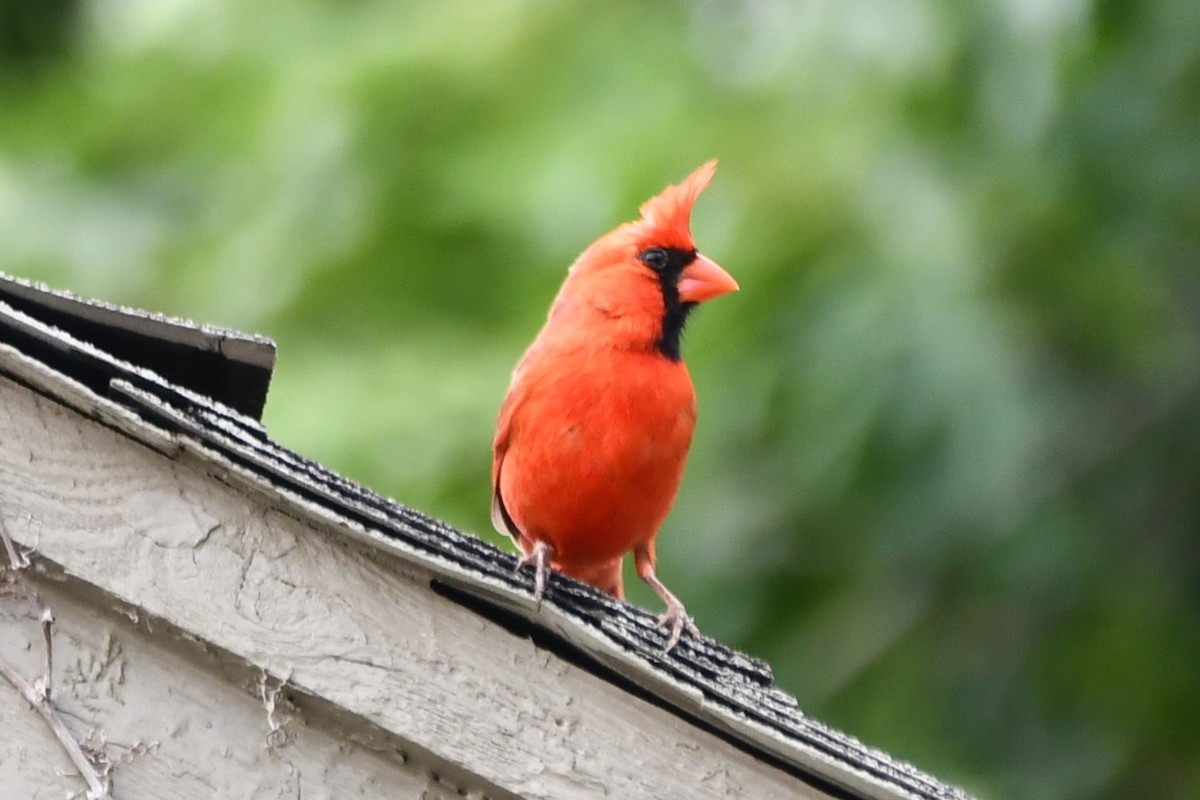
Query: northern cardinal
{"points": [[596, 426]]}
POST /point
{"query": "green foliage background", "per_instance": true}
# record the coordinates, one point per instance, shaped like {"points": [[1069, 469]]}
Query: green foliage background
{"points": [[947, 476]]}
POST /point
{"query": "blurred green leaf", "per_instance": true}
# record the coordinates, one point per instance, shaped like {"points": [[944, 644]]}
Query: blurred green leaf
{"points": [[947, 474]]}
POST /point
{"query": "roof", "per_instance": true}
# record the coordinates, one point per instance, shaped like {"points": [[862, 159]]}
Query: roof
{"points": [[209, 385]]}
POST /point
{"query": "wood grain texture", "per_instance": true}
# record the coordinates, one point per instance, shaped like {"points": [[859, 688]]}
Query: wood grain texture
{"points": [[207, 736], [357, 628]]}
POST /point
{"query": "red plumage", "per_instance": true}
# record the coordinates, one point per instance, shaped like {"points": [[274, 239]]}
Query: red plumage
{"points": [[594, 432]]}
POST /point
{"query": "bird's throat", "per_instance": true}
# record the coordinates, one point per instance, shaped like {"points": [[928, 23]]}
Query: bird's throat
{"points": [[675, 314], [675, 311]]}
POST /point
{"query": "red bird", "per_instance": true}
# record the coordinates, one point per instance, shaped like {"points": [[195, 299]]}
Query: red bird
{"points": [[595, 430]]}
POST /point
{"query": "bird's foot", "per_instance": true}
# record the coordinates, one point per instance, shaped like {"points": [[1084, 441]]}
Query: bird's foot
{"points": [[539, 559], [677, 620]]}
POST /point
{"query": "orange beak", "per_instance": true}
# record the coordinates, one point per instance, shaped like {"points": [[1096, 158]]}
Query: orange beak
{"points": [[703, 280]]}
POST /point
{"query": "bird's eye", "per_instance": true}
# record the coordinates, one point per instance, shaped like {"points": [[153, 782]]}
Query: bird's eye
{"points": [[655, 258]]}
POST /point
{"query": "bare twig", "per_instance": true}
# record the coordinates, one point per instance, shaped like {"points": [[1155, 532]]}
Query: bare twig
{"points": [[38, 694], [47, 634], [97, 787]]}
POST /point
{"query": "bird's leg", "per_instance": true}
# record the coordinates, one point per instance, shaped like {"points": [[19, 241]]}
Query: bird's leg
{"points": [[676, 616], [539, 557]]}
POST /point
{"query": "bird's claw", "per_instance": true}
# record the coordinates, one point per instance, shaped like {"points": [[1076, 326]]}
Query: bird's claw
{"points": [[539, 559], [678, 620]]}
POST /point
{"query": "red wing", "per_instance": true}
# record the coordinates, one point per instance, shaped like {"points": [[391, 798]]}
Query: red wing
{"points": [[501, 521]]}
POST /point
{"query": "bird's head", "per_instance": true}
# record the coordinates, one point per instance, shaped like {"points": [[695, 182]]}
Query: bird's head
{"points": [[647, 274]]}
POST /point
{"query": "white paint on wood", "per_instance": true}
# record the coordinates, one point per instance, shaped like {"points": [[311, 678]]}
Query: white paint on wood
{"points": [[354, 627], [206, 737]]}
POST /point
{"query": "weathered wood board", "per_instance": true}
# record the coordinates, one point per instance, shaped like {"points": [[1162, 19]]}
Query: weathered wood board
{"points": [[164, 540]]}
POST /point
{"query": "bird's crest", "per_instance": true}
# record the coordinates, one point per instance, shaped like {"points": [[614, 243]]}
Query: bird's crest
{"points": [[668, 214]]}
